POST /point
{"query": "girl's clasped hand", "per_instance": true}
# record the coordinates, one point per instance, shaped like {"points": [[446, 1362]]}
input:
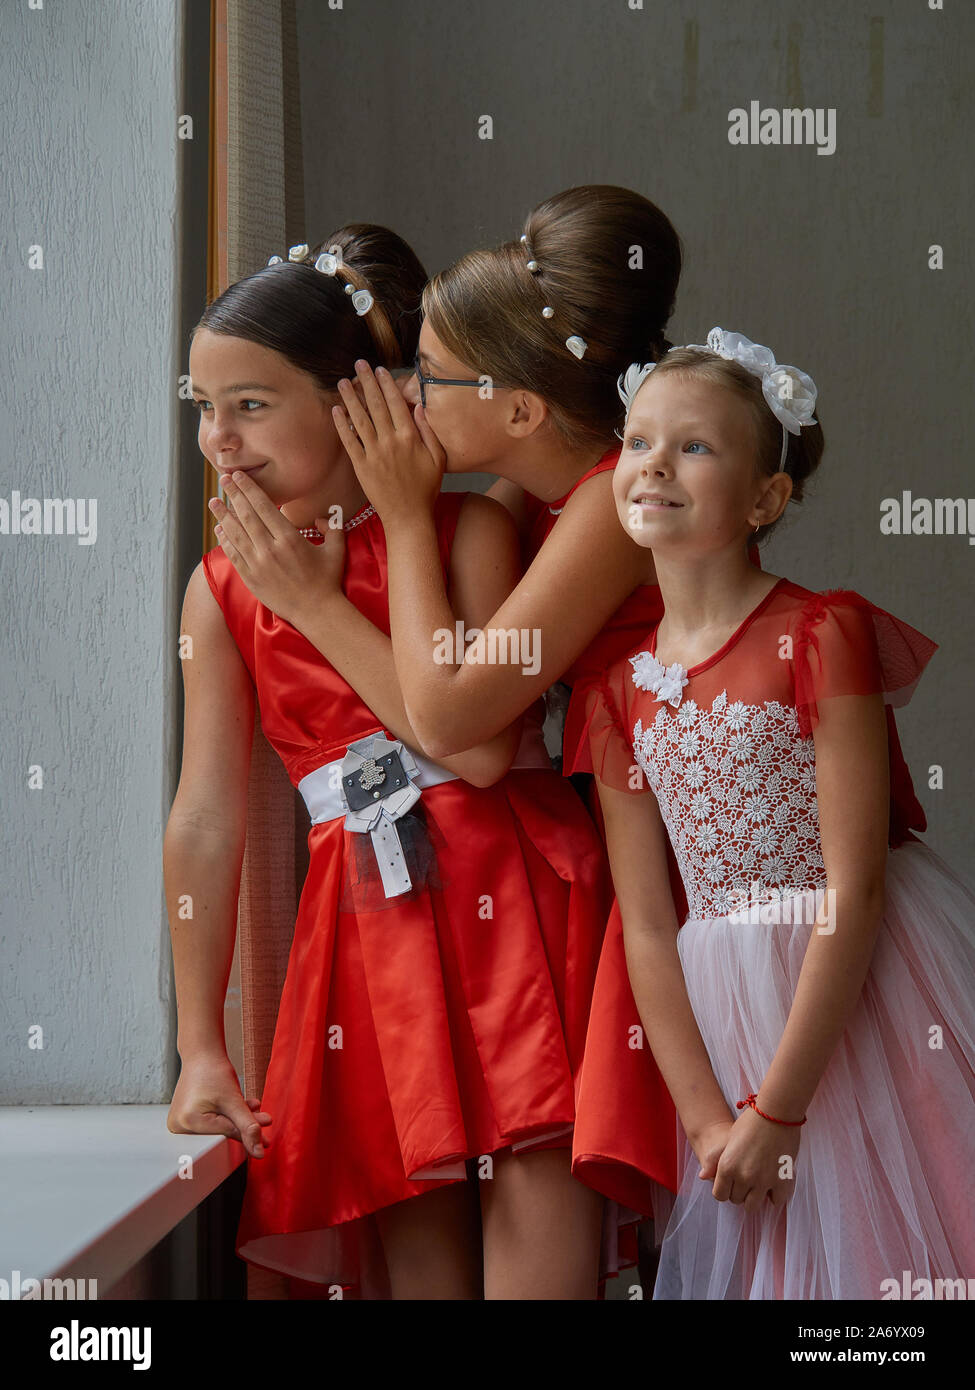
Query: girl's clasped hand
{"points": [[749, 1160]]}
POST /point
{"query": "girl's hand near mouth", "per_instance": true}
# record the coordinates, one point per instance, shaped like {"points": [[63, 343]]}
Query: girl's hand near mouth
{"points": [[271, 556]]}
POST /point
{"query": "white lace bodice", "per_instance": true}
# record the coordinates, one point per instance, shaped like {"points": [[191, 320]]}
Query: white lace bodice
{"points": [[736, 787]]}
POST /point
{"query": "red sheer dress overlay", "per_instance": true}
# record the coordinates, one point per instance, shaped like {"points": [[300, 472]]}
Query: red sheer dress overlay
{"points": [[731, 756], [635, 1169], [846, 645], [728, 749]]}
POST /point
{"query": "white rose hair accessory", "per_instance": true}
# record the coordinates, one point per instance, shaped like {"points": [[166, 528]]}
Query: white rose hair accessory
{"points": [[329, 263], [789, 393]]}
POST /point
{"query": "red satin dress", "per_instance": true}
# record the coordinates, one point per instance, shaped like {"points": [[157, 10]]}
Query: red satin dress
{"points": [[447, 1023], [625, 1143]]}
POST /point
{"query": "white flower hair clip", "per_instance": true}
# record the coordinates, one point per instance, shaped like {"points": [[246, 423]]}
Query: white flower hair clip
{"points": [[789, 393]]}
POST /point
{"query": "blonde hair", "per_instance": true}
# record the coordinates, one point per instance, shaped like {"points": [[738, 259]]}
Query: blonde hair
{"points": [[805, 449]]}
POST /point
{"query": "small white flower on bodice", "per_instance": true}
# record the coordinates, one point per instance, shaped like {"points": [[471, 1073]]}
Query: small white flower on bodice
{"points": [[666, 682], [736, 787]]}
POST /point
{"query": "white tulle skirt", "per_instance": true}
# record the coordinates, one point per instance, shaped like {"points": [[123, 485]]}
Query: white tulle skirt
{"points": [[883, 1178]]}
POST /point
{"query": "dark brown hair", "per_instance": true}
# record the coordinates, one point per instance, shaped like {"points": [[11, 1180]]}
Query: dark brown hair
{"points": [[309, 318], [805, 449], [608, 265]]}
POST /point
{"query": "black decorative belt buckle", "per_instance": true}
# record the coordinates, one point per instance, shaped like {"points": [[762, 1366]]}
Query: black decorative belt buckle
{"points": [[376, 779]]}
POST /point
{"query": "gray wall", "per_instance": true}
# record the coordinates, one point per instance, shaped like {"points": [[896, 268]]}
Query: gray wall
{"points": [[92, 172], [822, 257]]}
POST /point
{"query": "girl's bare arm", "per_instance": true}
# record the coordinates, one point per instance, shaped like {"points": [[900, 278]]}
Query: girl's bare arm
{"points": [[583, 572], [204, 841], [484, 567], [300, 583], [853, 795], [636, 841]]}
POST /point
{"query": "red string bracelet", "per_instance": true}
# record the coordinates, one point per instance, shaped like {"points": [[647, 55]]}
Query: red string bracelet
{"points": [[750, 1100]]}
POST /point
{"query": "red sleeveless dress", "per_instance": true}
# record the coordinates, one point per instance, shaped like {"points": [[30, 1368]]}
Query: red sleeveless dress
{"points": [[436, 1026], [625, 1143]]}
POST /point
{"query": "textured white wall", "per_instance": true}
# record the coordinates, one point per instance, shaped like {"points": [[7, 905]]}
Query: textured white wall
{"points": [[87, 409], [824, 258]]}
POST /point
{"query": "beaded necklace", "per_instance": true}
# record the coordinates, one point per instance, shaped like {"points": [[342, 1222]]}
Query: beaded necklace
{"points": [[316, 537]]}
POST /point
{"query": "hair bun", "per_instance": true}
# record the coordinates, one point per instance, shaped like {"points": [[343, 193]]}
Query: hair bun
{"points": [[374, 259], [303, 312], [606, 263]]}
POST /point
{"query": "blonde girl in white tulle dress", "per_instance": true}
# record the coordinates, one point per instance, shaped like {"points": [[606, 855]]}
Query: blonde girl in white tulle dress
{"points": [[813, 1016]]}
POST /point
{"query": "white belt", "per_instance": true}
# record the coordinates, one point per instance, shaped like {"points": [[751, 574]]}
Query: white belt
{"points": [[377, 781]]}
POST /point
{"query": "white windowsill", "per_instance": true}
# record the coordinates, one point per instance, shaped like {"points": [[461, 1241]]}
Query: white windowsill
{"points": [[87, 1190]]}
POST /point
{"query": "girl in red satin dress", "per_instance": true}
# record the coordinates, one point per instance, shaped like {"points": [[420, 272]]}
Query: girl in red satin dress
{"points": [[419, 1102], [498, 390]]}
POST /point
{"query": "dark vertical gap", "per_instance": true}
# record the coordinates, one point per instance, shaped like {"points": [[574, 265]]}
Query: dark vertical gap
{"points": [[295, 231], [192, 191], [294, 177], [191, 279], [198, 1255], [220, 1273]]}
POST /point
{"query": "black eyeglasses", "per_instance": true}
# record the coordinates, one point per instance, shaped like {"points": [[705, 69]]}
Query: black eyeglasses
{"points": [[438, 381]]}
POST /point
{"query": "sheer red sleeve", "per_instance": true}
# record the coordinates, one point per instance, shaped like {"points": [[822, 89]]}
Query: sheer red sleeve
{"points": [[596, 735], [576, 754], [846, 645]]}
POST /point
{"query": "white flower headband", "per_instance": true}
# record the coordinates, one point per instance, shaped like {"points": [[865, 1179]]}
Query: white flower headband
{"points": [[328, 263], [790, 393]]}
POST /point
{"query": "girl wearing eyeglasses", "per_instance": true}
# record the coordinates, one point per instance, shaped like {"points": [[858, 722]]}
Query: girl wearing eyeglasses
{"points": [[518, 358]]}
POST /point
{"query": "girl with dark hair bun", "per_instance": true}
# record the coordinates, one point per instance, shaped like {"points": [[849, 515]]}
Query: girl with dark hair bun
{"points": [[519, 354], [420, 1096]]}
